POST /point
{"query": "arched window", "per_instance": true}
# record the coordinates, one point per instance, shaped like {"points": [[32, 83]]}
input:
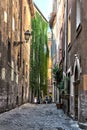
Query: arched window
{"points": [[9, 52], [78, 13]]}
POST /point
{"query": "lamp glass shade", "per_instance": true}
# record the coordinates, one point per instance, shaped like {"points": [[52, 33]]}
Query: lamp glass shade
{"points": [[27, 35]]}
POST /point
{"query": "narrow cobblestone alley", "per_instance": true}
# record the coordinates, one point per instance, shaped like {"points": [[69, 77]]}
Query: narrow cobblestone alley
{"points": [[36, 117]]}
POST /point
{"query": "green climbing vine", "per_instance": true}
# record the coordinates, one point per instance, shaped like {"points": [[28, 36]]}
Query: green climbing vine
{"points": [[39, 56]]}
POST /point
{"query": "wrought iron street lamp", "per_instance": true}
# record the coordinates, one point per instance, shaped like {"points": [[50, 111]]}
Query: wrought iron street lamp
{"points": [[27, 35]]}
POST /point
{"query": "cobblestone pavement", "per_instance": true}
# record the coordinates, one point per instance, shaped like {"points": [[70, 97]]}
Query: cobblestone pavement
{"points": [[36, 117]]}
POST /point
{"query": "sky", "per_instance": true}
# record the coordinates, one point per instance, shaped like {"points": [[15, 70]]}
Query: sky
{"points": [[45, 6]]}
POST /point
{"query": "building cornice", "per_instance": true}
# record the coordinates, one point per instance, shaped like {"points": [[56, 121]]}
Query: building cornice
{"points": [[52, 19]]}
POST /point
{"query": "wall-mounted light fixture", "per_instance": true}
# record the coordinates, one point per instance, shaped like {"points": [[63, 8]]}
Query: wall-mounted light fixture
{"points": [[27, 35]]}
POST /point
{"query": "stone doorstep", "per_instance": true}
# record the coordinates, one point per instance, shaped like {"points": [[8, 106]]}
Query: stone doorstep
{"points": [[82, 125]]}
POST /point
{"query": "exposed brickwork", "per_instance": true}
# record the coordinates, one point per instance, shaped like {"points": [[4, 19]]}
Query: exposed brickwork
{"points": [[14, 79], [78, 46]]}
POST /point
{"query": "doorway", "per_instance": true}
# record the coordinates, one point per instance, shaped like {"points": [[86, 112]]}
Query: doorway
{"points": [[68, 90], [76, 86]]}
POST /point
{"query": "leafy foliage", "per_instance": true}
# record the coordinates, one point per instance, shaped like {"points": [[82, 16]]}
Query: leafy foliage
{"points": [[54, 70], [57, 73], [61, 85], [39, 55]]}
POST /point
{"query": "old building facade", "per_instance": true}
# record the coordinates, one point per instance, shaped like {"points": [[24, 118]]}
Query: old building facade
{"points": [[71, 33], [50, 92], [57, 26], [39, 56], [76, 57], [15, 19]]}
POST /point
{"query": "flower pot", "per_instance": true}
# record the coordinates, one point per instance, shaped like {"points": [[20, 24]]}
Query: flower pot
{"points": [[59, 105]]}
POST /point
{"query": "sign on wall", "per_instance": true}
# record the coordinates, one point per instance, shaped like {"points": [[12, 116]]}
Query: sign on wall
{"points": [[85, 82]]}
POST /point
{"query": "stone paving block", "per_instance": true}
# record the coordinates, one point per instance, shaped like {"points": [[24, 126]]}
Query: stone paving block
{"points": [[36, 117]]}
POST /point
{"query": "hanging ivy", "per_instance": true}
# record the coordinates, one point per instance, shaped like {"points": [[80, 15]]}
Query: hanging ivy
{"points": [[39, 56]]}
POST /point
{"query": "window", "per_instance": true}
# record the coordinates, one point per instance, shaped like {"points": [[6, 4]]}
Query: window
{"points": [[16, 75], [5, 16], [26, 70], [25, 10], [12, 71], [69, 30], [9, 52], [3, 73], [78, 13], [13, 24], [18, 61], [23, 67], [24, 15]]}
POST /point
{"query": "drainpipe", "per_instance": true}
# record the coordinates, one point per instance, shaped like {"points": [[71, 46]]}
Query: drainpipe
{"points": [[21, 1], [66, 37]]}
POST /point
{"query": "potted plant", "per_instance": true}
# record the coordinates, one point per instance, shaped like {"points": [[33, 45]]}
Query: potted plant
{"points": [[57, 73]]}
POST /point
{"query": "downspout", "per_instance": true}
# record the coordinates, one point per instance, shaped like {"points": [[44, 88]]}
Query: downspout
{"points": [[66, 38], [21, 32]]}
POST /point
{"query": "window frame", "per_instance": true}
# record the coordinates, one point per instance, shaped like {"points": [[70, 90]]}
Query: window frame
{"points": [[78, 13]]}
